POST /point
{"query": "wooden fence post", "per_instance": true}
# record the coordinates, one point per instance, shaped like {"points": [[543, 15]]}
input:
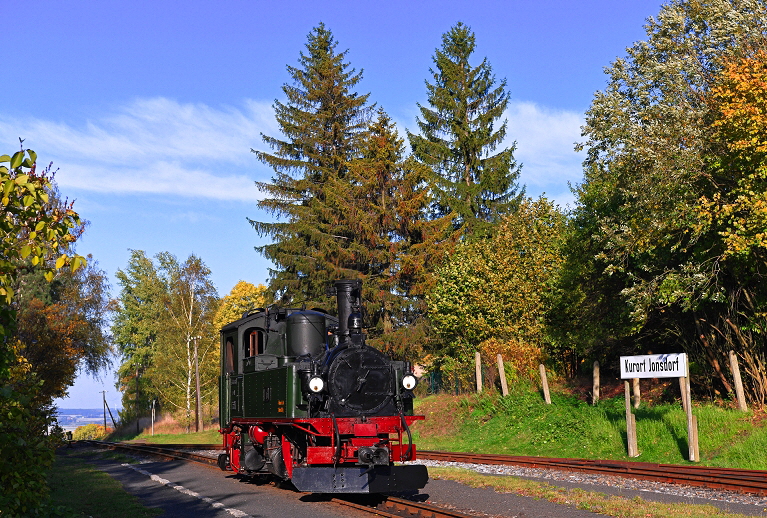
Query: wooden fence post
{"points": [[478, 370], [502, 374], [738, 382], [595, 384], [545, 384]]}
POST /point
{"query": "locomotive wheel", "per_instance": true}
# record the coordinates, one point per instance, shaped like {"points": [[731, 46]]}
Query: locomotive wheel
{"points": [[223, 461]]}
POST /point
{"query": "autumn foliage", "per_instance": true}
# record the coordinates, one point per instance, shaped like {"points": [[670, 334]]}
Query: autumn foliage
{"points": [[90, 431], [34, 233], [494, 294], [739, 207]]}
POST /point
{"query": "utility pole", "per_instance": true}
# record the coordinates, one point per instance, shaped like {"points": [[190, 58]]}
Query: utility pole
{"points": [[197, 413], [104, 398], [153, 403]]}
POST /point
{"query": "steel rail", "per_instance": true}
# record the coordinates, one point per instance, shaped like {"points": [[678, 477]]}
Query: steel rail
{"points": [[397, 507], [740, 480], [159, 451]]}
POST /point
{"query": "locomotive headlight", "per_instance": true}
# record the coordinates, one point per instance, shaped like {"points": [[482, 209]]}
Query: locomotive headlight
{"points": [[316, 384], [408, 382]]}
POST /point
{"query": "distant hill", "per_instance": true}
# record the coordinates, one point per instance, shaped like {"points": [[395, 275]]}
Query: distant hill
{"points": [[70, 418]]}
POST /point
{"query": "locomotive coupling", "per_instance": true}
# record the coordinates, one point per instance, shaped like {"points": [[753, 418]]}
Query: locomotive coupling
{"points": [[374, 456]]}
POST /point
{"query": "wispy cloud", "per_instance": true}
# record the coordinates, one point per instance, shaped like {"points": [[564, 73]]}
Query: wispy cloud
{"points": [[160, 146], [155, 146], [545, 146]]}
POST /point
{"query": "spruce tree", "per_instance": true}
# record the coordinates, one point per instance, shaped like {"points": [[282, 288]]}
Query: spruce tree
{"points": [[322, 123], [393, 244], [459, 138]]}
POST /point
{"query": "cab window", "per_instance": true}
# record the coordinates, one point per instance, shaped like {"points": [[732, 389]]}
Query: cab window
{"points": [[229, 356], [254, 342]]}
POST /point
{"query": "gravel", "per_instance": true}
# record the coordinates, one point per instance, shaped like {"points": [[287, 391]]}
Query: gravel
{"points": [[684, 491]]}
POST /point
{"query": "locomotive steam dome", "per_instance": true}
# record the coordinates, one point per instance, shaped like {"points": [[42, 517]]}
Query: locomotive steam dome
{"points": [[306, 333], [360, 382]]}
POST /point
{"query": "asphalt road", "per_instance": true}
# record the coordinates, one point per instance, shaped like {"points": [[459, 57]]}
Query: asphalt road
{"points": [[186, 489]]}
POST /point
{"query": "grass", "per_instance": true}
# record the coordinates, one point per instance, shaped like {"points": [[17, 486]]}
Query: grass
{"points": [[79, 489], [578, 498], [521, 424], [206, 437]]}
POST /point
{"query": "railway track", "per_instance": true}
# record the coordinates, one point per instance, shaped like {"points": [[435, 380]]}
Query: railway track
{"points": [[388, 506], [398, 507], [730, 479]]}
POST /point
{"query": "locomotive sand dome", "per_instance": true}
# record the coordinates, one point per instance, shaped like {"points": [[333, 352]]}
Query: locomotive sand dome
{"points": [[304, 398]]}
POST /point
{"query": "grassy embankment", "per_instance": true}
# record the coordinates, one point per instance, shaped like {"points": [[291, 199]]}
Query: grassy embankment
{"points": [[522, 424]]}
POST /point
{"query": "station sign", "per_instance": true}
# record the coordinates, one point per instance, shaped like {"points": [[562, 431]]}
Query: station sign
{"points": [[654, 366]]}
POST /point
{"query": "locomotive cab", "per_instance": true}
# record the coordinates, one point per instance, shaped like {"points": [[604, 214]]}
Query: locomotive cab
{"points": [[303, 397]]}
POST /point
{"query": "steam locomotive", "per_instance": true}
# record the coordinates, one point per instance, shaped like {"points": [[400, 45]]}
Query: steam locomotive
{"points": [[303, 398]]}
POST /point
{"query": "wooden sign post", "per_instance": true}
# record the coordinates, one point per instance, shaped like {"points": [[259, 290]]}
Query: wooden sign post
{"points": [[659, 366], [595, 384]]}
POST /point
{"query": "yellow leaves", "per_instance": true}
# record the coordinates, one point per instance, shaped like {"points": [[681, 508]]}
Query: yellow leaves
{"points": [[243, 297], [739, 209], [77, 262], [498, 288], [740, 97], [523, 356]]}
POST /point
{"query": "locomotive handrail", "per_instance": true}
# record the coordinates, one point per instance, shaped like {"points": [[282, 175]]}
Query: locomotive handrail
{"points": [[337, 438]]}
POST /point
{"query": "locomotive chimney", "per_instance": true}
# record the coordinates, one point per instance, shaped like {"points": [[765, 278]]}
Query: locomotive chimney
{"points": [[348, 293]]}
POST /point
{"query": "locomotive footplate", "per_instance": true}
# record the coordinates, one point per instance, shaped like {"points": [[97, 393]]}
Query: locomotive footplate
{"points": [[359, 479]]}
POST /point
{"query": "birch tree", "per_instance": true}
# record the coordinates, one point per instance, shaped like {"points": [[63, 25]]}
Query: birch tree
{"points": [[186, 356]]}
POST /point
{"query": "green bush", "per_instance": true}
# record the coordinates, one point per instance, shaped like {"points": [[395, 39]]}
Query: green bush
{"points": [[25, 453]]}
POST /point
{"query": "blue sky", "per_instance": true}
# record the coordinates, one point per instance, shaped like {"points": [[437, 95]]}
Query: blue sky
{"points": [[149, 109]]}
